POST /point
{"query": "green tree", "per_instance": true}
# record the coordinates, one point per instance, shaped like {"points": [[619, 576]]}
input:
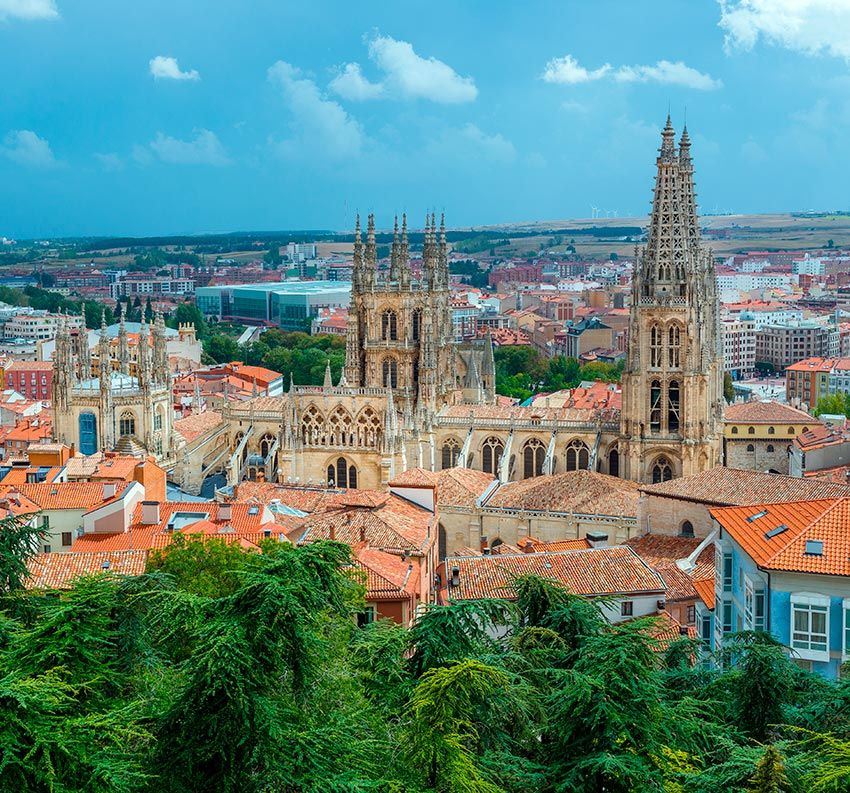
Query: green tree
{"points": [[20, 540], [728, 388], [148, 310], [190, 313], [834, 404], [221, 348], [770, 776]]}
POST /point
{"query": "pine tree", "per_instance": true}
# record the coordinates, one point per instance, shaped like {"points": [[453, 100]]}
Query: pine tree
{"points": [[770, 776]]}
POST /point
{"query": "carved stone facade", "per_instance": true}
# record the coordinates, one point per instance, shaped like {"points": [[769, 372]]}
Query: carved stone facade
{"points": [[673, 381], [98, 405], [409, 397]]}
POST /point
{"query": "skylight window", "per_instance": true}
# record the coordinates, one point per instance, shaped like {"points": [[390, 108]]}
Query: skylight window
{"points": [[776, 532], [757, 516], [814, 547]]}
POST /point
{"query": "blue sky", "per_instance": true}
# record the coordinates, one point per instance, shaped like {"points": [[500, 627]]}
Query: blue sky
{"points": [[190, 116]]}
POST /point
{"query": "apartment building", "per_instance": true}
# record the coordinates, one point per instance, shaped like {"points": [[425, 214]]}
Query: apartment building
{"points": [[738, 337], [782, 345]]}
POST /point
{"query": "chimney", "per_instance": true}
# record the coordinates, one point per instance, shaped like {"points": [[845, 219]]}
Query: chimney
{"points": [[528, 547], [333, 531], [109, 490], [455, 580], [150, 513], [482, 544], [597, 539], [225, 511]]}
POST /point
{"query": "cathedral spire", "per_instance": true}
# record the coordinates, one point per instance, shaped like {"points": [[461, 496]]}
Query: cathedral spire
{"points": [[371, 260], [404, 253], [395, 256], [357, 267], [328, 383], [668, 145], [123, 345]]}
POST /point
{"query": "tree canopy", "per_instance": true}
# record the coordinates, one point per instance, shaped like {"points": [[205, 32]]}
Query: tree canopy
{"points": [[230, 670]]}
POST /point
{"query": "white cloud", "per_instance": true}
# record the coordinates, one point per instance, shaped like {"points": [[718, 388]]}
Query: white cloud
{"points": [[204, 149], [668, 73], [469, 143], [568, 71], [317, 121], [110, 161], [809, 26], [351, 84], [412, 76], [24, 147], [164, 67], [28, 9]]}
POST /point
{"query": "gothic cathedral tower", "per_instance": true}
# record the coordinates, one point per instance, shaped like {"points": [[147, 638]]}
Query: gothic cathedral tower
{"points": [[673, 382], [399, 327]]}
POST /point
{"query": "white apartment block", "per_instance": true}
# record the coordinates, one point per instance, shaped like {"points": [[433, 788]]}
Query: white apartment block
{"points": [[749, 282], [738, 337], [38, 326]]}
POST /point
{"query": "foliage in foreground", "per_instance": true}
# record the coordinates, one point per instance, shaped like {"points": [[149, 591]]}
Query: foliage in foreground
{"points": [[230, 671]]}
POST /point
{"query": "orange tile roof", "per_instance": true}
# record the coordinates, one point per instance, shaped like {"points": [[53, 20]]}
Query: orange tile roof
{"points": [[304, 499], [823, 521], [18, 474], [456, 487], [667, 629], [756, 412], [596, 571], [58, 570], [388, 523], [705, 590], [66, 495], [388, 576], [661, 552], [572, 491], [721, 486], [243, 522], [556, 545], [813, 365], [197, 424]]}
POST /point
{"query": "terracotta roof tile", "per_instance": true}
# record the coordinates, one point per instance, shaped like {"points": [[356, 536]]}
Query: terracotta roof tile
{"points": [[58, 570], [815, 538], [705, 590], [573, 491], [756, 412], [595, 571], [66, 495], [197, 424], [388, 576], [722, 486], [661, 552]]}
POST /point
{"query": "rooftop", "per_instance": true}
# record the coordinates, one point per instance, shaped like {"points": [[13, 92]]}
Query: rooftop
{"points": [[59, 570], [757, 412], [595, 571], [721, 486], [796, 536], [573, 491]]}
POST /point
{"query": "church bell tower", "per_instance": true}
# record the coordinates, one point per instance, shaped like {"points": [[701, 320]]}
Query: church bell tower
{"points": [[673, 382]]}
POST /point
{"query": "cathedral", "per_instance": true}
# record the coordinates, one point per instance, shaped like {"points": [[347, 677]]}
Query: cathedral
{"points": [[104, 401], [410, 397]]}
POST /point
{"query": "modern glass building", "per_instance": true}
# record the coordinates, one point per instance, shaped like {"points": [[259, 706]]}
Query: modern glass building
{"points": [[286, 304]]}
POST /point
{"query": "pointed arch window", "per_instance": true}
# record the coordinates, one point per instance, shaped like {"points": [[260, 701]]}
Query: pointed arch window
{"points": [[533, 454], [662, 471], [312, 427], [127, 424], [655, 406], [416, 324], [673, 406], [389, 373], [389, 325], [266, 443], [674, 345], [368, 428], [341, 427], [656, 345], [578, 456], [491, 456], [450, 453], [342, 474], [614, 462]]}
